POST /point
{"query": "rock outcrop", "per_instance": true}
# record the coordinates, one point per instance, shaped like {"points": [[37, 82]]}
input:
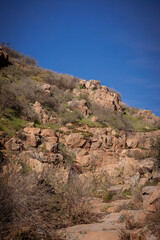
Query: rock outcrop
{"points": [[99, 95], [3, 57]]}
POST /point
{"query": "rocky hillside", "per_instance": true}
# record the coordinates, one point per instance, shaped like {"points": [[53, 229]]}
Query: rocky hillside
{"points": [[75, 161]]}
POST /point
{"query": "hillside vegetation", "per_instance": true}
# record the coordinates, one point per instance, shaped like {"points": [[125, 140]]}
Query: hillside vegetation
{"points": [[21, 85]]}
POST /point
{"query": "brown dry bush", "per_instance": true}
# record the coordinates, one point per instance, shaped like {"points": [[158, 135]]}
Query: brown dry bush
{"points": [[130, 223], [123, 235], [153, 219], [32, 205], [62, 81]]}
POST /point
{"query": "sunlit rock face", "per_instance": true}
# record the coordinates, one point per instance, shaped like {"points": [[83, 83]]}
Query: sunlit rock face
{"points": [[99, 95]]}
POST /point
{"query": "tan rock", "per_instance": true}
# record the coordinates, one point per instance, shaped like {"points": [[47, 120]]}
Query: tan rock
{"points": [[48, 133], [93, 84], [83, 160], [113, 209], [142, 182], [75, 140], [115, 189], [149, 189], [146, 166], [46, 88], [130, 166], [14, 144], [36, 165], [32, 140], [51, 147], [82, 83], [32, 130], [150, 201], [156, 176], [43, 117], [132, 142]]}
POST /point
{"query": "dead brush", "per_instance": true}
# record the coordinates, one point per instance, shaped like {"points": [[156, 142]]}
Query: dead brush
{"points": [[153, 219], [33, 205], [130, 224], [123, 235]]}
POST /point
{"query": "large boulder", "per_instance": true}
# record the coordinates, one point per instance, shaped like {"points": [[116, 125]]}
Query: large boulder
{"points": [[75, 140], [35, 164], [32, 136], [3, 57], [151, 196]]}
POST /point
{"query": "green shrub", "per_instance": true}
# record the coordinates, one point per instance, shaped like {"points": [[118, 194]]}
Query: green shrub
{"points": [[110, 118], [89, 123], [81, 86], [71, 117]]}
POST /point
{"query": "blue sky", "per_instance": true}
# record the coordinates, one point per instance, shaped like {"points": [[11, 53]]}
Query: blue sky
{"points": [[114, 41]]}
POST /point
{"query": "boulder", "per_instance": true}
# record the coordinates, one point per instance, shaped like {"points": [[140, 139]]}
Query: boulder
{"points": [[132, 142], [93, 84], [151, 196], [145, 166], [32, 130], [46, 87], [156, 176], [75, 140], [35, 164], [116, 189], [39, 110], [45, 133], [3, 57], [32, 140], [51, 147], [14, 144]]}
